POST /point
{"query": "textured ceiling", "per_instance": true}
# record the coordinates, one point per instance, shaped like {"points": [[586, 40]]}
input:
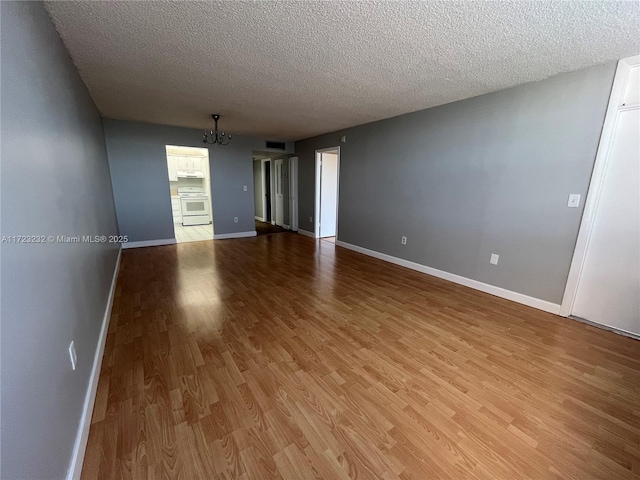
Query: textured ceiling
{"points": [[294, 69]]}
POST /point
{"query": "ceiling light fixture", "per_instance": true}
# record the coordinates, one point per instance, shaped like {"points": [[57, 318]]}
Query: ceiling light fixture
{"points": [[214, 137]]}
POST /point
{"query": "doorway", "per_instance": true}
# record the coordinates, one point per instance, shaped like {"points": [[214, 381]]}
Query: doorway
{"points": [[270, 193], [604, 279], [190, 191], [268, 204], [327, 193]]}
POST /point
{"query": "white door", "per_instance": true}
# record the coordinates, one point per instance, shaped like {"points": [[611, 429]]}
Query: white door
{"points": [[608, 289], [293, 193], [328, 194], [279, 195]]}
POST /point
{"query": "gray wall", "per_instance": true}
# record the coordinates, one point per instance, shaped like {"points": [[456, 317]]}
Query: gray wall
{"points": [[138, 163], [55, 181], [485, 175], [257, 188]]}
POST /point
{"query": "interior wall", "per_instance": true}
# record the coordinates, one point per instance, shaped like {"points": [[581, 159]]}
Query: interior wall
{"points": [[257, 188], [137, 159], [490, 174], [55, 182]]}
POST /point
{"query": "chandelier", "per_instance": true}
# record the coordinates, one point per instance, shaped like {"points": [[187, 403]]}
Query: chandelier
{"points": [[214, 137]]}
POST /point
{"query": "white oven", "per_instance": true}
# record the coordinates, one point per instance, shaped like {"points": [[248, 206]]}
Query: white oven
{"points": [[195, 205]]}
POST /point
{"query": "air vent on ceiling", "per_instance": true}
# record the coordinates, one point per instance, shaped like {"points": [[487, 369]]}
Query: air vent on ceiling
{"points": [[276, 145]]}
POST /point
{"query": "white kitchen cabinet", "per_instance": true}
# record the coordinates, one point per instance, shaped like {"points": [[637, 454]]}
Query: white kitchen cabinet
{"points": [[196, 164], [172, 168]]}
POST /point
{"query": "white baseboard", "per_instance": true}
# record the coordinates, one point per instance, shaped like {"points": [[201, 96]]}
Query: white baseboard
{"points": [[223, 236], [260, 219], [80, 446], [286, 227], [307, 234], [149, 243], [467, 282]]}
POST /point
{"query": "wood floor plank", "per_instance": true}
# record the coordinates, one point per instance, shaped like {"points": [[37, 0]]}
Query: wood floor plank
{"points": [[283, 357]]}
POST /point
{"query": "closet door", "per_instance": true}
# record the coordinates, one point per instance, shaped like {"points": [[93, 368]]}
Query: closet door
{"points": [[608, 290]]}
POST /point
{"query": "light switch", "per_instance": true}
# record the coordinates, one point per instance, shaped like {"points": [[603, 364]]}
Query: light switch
{"points": [[494, 259], [574, 200]]}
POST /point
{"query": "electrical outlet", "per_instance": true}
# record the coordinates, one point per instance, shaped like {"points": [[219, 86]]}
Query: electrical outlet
{"points": [[72, 355], [235, 219], [494, 259], [244, 187], [310, 219], [403, 240]]}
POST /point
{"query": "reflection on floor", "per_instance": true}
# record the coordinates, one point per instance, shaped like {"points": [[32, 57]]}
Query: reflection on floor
{"points": [[194, 233], [283, 357], [265, 228]]}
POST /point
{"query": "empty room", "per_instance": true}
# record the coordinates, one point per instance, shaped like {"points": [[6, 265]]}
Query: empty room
{"points": [[320, 240]]}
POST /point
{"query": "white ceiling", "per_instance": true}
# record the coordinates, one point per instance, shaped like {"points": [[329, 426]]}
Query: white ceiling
{"points": [[294, 69]]}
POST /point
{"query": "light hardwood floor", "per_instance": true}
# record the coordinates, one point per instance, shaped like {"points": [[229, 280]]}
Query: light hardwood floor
{"points": [[283, 357]]}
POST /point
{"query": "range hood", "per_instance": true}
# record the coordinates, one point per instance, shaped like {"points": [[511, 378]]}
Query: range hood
{"points": [[190, 174]]}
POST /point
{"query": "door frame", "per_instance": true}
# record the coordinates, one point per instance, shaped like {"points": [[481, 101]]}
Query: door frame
{"points": [[264, 191], [278, 181], [318, 184], [595, 185], [293, 193]]}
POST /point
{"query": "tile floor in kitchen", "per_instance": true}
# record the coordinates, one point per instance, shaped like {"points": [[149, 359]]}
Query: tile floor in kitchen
{"points": [[193, 233]]}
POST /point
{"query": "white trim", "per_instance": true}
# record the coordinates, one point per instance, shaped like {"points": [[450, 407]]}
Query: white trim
{"points": [[595, 185], [278, 182], [467, 282], [286, 227], [223, 236], [80, 446], [293, 192], [318, 186], [149, 243], [263, 166], [306, 233], [260, 219]]}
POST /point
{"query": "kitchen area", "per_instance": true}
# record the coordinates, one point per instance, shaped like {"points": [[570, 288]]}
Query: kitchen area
{"points": [[190, 189]]}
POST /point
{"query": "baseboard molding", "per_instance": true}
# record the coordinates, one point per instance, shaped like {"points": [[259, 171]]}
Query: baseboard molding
{"points": [[286, 227], [223, 236], [307, 234], [80, 446], [260, 219], [149, 243], [467, 282]]}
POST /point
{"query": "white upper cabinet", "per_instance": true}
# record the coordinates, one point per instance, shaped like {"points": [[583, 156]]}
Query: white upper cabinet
{"points": [[172, 168], [182, 162], [196, 163]]}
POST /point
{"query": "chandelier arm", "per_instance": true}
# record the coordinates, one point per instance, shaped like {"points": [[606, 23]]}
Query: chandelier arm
{"points": [[215, 136]]}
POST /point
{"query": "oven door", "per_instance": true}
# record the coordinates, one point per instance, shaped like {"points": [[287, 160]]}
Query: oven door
{"points": [[195, 206]]}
